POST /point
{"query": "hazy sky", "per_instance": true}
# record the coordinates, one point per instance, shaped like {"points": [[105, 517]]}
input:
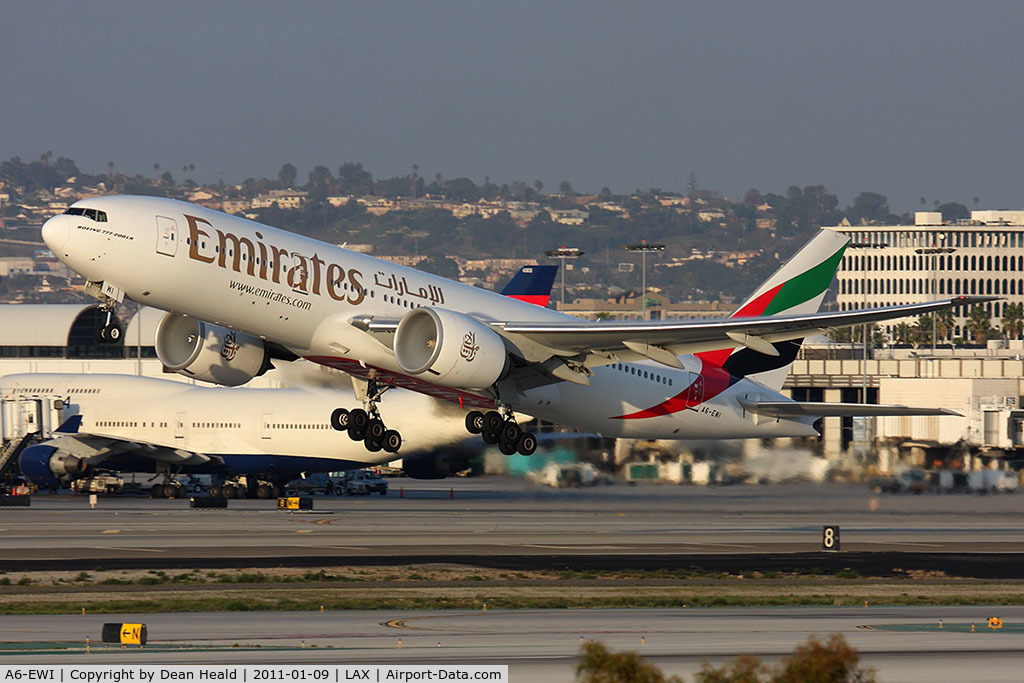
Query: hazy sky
{"points": [[905, 98]]}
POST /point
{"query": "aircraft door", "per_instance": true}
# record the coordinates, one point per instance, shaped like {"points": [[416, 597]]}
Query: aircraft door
{"points": [[695, 394], [267, 419], [179, 426], [166, 236]]}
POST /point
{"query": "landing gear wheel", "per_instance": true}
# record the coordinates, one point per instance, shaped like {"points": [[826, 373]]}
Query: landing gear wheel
{"points": [[375, 430], [510, 433], [507, 448], [392, 441], [339, 419], [493, 421], [358, 421], [172, 491], [277, 491], [156, 491], [373, 445], [491, 437], [474, 422], [263, 491], [217, 491], [230, 491], [527, 444], [109, 333]]}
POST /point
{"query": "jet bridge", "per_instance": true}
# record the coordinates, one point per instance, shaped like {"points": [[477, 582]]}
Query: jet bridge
{"points": [[24, 418]]}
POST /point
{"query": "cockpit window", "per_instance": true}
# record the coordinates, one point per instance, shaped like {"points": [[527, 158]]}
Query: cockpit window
{"points": [[94, 214]]}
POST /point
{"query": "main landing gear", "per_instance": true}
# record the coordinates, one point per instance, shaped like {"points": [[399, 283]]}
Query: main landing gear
{"points": [[366, 424], [502, 430]]}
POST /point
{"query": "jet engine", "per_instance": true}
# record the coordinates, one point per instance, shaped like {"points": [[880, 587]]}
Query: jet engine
{"points": [[450, 349], [209, 353], [45, 465]]}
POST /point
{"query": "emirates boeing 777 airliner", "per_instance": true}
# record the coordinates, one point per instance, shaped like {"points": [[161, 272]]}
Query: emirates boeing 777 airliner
{"points": [[240, 294]]}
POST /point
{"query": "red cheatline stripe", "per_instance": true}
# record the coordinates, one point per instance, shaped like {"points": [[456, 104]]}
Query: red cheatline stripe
{"points": [[712, 381], [753, 308]]}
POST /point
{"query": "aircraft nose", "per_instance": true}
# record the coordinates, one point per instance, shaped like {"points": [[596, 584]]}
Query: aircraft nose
{"points": [[56, 232]]}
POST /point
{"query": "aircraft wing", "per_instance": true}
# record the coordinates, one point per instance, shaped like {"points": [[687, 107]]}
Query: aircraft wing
{"points": [[95, 449], [786, 409], [599, 343], [691, 336]]}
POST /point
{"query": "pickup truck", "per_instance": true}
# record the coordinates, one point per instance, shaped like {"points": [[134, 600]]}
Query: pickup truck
{"points": [[363, 483]]}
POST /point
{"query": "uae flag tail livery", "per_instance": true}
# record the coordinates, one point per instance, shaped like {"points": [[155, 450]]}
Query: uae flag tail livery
{"points": [[797, 287]]}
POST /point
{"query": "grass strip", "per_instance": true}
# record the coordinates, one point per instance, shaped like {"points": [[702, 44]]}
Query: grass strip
{"points": [[264, 603]]}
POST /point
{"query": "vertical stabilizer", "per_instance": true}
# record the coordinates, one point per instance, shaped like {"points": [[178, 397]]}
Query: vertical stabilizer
{"points": [[797, 287]]}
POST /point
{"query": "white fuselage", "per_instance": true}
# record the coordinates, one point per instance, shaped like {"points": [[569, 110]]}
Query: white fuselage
{"points": [[277, 428], [303, 294]]}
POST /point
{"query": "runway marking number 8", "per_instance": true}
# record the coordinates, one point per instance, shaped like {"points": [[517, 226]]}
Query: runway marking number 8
{"points": [[830, 538]]}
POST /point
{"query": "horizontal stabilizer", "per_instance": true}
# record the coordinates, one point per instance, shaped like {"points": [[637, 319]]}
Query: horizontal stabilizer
{"points": [[70, 425], [784, 409]]}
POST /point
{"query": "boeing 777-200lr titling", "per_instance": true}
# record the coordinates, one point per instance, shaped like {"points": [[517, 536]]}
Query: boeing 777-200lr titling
{"points": [[240, 294]]}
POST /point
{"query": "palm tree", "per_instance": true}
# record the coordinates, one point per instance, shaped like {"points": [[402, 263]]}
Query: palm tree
{"points": [[924, 328], [1013, 321], [902, 333], [944, 323], [916, 337], [841, 335], [978, 324]]}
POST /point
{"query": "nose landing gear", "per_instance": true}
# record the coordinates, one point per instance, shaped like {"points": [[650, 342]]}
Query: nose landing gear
{"points": [[110, 331], [501, 430], [366, 424]]}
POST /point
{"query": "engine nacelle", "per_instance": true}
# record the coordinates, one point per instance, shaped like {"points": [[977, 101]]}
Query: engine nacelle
{"points": [[209, 353], [45, 465], [450, 349]]}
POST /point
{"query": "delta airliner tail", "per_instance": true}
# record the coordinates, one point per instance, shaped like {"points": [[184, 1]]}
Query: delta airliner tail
{"points": [[532, 284], [797, 287]]}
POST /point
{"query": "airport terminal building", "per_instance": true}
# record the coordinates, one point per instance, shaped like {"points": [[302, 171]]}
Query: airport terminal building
{"points": [[888, 265]]}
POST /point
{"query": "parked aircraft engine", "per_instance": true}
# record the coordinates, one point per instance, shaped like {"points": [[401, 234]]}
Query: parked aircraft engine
{"points": [[450, 349], [45, 465], [209, 353]]}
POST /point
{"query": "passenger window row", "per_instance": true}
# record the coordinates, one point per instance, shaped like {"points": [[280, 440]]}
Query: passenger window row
{"points": [[646, 374]]}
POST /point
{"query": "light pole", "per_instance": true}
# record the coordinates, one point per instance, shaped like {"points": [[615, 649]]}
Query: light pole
{"points": [[935, 252], [643, 249], [865, 247], [563, 253]]}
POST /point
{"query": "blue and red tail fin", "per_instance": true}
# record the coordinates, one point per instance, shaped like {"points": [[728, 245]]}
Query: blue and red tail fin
{"points": [[532, 284]]}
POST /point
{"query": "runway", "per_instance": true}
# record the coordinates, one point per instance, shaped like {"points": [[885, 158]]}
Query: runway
{"points": [[543, 646], [508, 523]]}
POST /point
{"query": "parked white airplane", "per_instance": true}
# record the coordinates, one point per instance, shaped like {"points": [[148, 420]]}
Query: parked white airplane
{"points": [[242, 293], [124, 423]]}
